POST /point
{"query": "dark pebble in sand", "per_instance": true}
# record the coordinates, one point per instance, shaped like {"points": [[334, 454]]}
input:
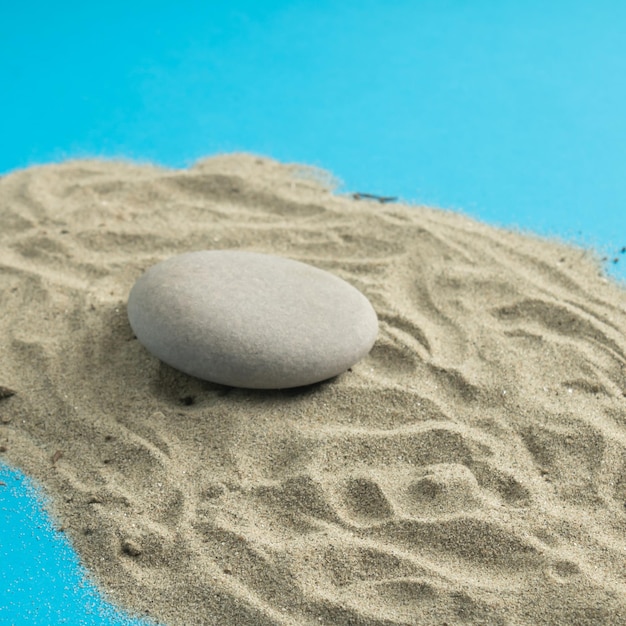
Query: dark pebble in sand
{"points": [[131, 548], [5, 392]]}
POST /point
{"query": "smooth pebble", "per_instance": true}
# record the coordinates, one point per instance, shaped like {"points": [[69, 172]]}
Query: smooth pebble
{"points": [[251, 320]]}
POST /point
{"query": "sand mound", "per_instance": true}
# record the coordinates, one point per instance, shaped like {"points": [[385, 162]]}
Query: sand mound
{"points": [[471, 470]]}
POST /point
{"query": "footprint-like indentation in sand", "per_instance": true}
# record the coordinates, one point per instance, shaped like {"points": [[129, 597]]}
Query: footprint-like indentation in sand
{"points": [[362, 500], [443, 489], [504, 485], [299, 495]]}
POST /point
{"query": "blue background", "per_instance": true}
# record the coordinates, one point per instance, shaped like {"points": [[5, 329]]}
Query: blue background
{"points": [[41, 580], [512, 112]]}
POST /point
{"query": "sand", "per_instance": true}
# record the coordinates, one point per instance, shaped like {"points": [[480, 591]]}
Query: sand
{"points": [[470, 470]]}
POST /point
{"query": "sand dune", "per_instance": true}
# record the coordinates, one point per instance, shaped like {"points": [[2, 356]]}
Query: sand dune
{"points": [[471, 470]]}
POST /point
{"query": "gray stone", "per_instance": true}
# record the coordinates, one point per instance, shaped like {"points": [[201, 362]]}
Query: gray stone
{"points": [[251, 320]]}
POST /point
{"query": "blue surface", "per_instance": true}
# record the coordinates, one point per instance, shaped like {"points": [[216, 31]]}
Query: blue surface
{"points": [[41, 581], [512, 112]]}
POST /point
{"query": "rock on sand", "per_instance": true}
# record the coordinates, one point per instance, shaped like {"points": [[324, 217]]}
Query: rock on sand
{"points": [[251, 320]]}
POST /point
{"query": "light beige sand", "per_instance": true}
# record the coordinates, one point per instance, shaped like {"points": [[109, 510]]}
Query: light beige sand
{"points": [[471, 470]]}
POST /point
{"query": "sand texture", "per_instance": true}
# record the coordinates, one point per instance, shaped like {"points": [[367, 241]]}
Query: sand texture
{"points": [[470, 470]]}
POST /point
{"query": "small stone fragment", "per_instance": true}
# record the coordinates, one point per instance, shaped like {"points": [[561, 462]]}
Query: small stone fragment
{"points": [[131, 548], [5, 392]]}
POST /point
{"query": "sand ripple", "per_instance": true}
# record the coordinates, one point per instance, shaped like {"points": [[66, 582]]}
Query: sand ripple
{"points": [[471, 470]]}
